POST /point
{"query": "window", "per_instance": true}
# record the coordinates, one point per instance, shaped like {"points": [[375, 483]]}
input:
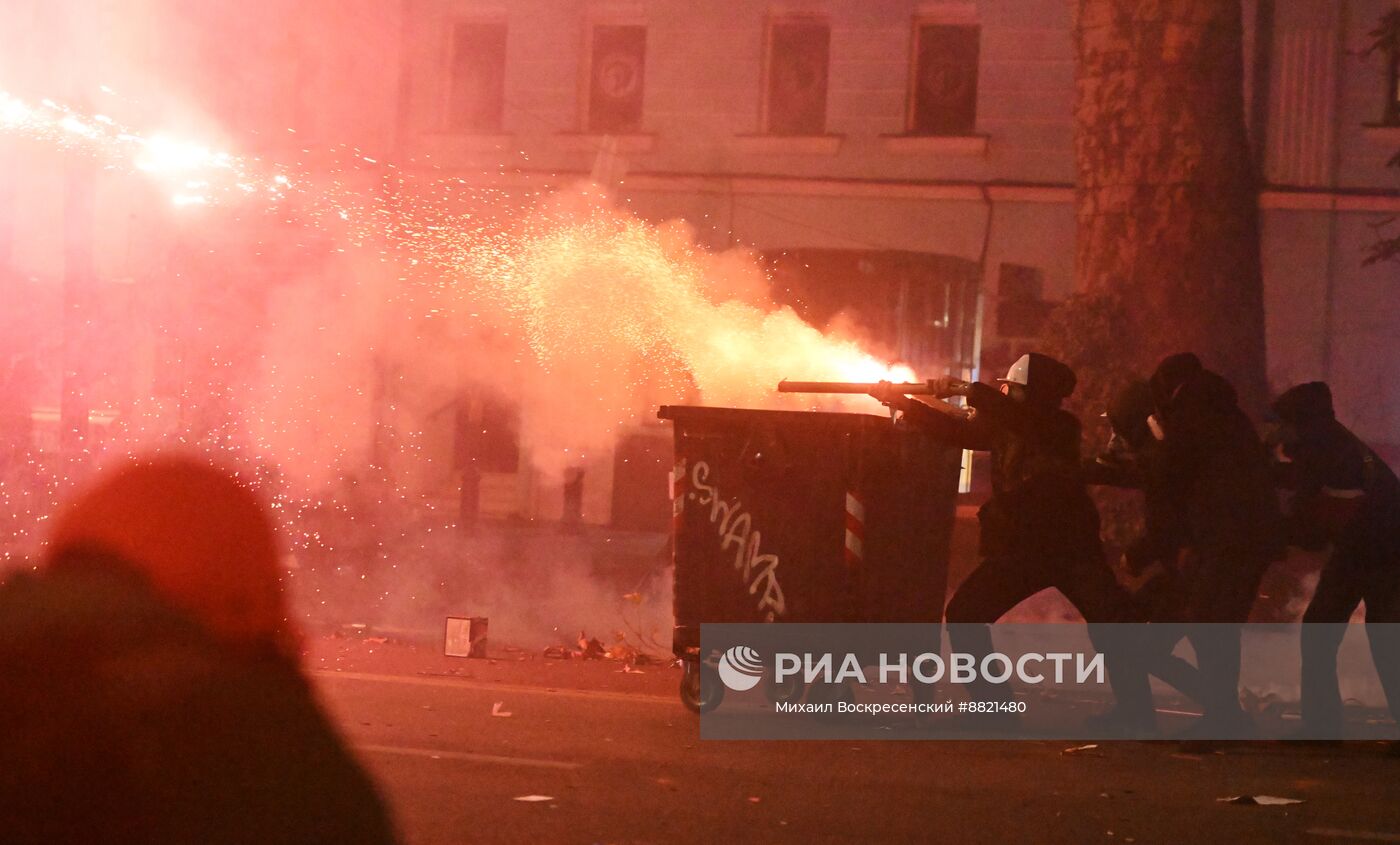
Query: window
{"points": [[487, 435], [795, 94], [641, 466], [476, 92], [616, 75], [943, 84]]}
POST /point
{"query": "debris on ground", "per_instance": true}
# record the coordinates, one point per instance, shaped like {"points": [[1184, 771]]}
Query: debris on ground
{"points": [[591, 648], [1261, 705], [1083, 750], [533, 799], [1259, 800], [497, 709], [628, 670], [623, 651], [351, 629]]}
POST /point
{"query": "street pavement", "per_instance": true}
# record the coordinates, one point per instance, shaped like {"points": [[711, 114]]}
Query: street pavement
{"points": [[613, 757]]}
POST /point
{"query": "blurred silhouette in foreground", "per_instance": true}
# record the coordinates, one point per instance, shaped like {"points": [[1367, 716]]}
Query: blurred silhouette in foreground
{"points": [[150, 679]]}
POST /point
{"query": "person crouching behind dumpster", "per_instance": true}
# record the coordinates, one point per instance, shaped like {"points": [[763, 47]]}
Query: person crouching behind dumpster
{"points": [[150, 680], [1039, 529], [1345, 497]]}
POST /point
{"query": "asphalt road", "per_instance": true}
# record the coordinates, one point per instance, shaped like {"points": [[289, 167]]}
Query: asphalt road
{"points": [[619, 760]]}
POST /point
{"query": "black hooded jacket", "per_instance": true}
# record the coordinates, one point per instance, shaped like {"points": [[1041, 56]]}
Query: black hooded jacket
{"points": [[125, 722], [1214, 469], [1328, 462], [1039, 505]]}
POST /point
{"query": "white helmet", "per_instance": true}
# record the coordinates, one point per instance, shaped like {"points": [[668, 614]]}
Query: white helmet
{"points": [[1041, 375], [1020, 372]]}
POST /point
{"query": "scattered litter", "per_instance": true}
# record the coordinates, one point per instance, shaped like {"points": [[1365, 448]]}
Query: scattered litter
{"points": [[534, 799], [622, 649], [380, 640], [1260, 800], [353, 629], [1193, 757], [635, 598], [1261, 704], [465, 636], [754, 799], [591, 648], [1081, 749], [558, 652], [628, 670], [497, 711]]}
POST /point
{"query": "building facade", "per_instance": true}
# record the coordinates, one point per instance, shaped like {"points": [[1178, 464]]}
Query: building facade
{"points": [[941, 129], [907, 162]]}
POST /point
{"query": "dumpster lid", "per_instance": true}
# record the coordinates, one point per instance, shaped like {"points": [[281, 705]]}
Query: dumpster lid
{"points": [[703, 414]]}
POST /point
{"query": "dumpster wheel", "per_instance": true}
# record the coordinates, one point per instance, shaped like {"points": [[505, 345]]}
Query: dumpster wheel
{"points": [[701, 689]]}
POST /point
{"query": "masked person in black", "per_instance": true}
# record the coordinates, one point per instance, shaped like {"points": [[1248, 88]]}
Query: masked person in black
{"points": [[1040, 529], [1212, 474], [1152, 560], [1345, 497]]}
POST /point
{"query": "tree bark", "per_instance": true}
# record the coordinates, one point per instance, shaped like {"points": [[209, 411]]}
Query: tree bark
{"points": [[1166, 194]]}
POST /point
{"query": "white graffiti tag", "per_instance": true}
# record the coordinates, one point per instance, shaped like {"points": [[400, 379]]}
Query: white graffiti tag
{"points": [[735, 528]]}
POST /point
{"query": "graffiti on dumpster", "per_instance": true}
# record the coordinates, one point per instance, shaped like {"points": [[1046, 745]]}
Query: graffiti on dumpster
{"points": [[735, 528]]}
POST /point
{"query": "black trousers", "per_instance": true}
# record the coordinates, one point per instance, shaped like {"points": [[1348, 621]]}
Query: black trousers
{"points": [[1162, 602], [1158, 644], [1000, 583], [1222, 585], [1353, 575]]}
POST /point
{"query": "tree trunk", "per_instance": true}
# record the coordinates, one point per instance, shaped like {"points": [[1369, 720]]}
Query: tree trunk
{"points": [[1166, 197]]}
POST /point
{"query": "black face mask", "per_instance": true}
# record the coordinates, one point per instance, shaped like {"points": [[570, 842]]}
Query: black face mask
{"points": [[1280, 434]]}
